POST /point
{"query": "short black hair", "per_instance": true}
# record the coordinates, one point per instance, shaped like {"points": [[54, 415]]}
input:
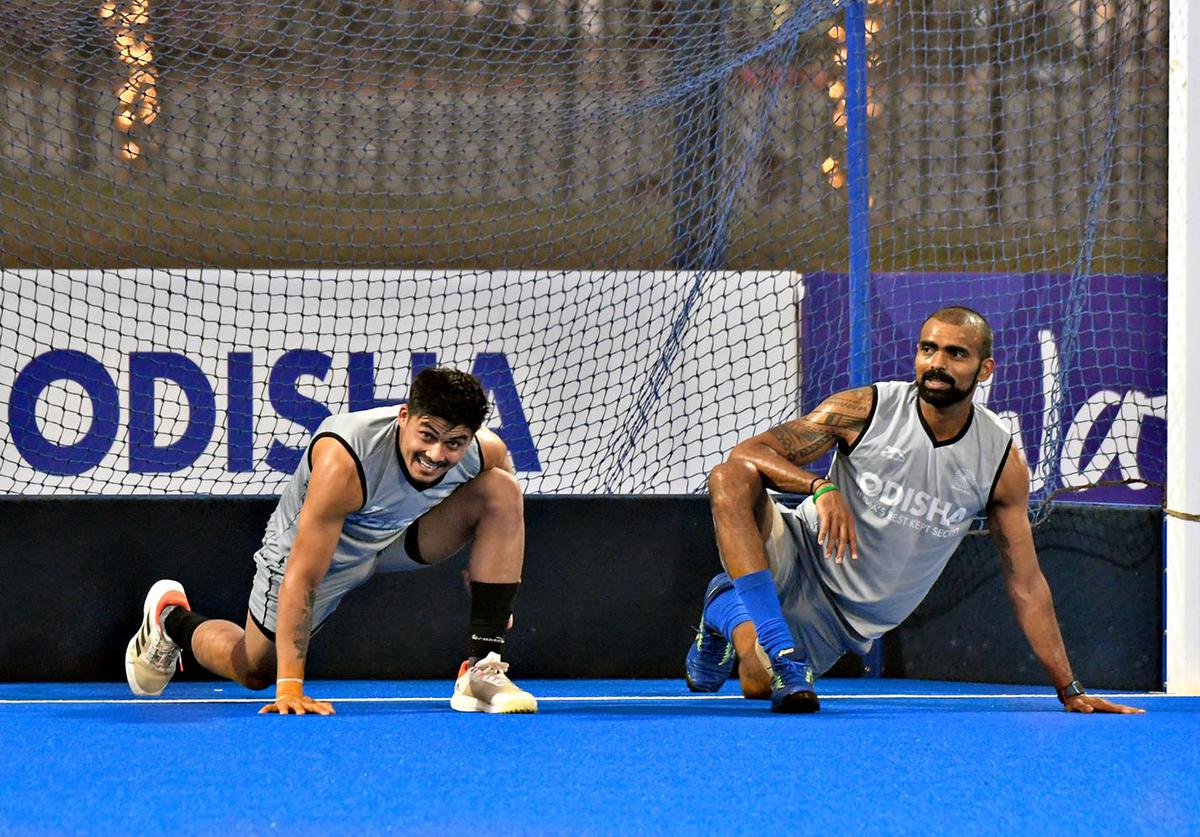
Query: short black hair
{"points": [[449, 394], [961, 315]]}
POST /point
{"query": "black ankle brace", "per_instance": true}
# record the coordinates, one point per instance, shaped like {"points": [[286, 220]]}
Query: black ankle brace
{"points": [[180, 623], [491, 606]]}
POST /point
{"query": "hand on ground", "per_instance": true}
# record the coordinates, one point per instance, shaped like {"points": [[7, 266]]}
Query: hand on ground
{"points": [[1090, 703], [297, 705]]}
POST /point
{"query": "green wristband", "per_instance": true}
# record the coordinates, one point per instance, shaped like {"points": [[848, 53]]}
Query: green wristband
{"points": [[825, 489]]}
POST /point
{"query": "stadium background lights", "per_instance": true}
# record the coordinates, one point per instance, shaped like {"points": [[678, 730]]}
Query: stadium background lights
{"points": [[138, 95], [831, 166]]}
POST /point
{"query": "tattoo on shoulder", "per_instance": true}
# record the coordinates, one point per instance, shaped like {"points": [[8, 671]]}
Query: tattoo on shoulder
{"points": [[838, 417], [847, 409], [800, 443]]}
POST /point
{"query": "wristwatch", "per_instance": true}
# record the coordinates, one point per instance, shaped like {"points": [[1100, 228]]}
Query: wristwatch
{"points": [[1072, 689]]}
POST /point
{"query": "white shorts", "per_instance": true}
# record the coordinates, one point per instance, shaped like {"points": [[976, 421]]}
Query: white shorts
{"points": [[810, 614]]}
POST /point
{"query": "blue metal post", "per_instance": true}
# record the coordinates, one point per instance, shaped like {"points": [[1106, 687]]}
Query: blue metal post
{"points": [[858, 191]]}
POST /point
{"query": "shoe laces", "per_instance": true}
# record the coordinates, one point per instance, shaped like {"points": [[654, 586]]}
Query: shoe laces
{"points": [[706, 636], [492, 670], [786, 663], [161, 652]]}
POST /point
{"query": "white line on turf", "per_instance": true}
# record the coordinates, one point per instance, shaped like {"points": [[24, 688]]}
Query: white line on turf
{"points": [[561, 699]]}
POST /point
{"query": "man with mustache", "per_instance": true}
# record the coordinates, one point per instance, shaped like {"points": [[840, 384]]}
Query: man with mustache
{"points": [[379, 490], [915, 462]]}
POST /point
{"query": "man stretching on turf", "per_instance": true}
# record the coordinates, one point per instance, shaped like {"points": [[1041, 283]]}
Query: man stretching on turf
{"points": [[376, 491], [915, 462]]}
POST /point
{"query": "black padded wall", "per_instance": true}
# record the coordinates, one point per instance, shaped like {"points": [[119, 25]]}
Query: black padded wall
{"points": [[612, 588]]}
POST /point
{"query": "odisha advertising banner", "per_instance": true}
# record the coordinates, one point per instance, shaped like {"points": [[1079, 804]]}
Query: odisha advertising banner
{"points": [[1103, 341], [128, 382], [154, 381]]}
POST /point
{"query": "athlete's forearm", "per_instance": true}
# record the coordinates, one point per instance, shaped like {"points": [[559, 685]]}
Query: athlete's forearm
{"points": [[1034, 608], [293, 626], [781, 455], [307, 563], [1027, 588], [776, 471]]}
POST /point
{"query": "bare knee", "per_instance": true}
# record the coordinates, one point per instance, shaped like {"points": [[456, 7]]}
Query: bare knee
{"points": [[256, 680], [254, 658], [734, 484], [500, 494], [257, 674]]}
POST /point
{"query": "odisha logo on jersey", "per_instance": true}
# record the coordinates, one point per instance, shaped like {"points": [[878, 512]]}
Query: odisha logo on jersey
{"points": [[962, 481], [919, 504]]}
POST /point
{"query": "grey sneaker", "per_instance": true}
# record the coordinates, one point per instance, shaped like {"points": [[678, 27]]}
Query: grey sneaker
{"points": [[151, 657], [485, 687]]}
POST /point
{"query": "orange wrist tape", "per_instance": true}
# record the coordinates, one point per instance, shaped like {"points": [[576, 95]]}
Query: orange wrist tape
{"points": [[289, 687]]}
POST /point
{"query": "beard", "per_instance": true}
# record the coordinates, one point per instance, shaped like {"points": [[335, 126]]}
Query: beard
{"points": [[947, 397]]}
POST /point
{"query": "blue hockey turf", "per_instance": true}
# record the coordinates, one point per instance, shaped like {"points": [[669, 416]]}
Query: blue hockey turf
{"points": [[601, 757]]}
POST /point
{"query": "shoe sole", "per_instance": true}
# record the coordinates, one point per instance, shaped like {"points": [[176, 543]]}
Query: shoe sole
{"points": [[156, 594], [704, 690], [800, 703], [462, 703]]}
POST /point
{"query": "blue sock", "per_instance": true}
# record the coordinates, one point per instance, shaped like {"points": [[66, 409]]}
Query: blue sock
{"points": [[726, 612], [757, 592]]}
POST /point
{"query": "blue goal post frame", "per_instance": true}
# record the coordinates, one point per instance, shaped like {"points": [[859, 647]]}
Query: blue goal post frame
{"points": [[698, 156], [859, 207]]}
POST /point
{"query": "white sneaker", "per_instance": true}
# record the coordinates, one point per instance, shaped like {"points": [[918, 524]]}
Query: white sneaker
{"points": [[151, 657], [485, 687]]}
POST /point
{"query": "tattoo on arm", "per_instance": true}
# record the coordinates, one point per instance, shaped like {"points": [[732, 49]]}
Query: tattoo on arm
{"points": [[800, 446], [1003, 549], [304, 628], [840, 416]]}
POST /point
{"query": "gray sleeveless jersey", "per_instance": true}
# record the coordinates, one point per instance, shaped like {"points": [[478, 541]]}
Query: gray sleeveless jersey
{"points": [[392, 501], [913, 499]]}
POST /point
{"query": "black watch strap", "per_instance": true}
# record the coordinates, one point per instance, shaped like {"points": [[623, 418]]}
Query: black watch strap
{"points": [[1072, 689]]}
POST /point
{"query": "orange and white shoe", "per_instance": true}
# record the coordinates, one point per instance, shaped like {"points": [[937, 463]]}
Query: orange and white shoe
{"points": [[485, 687], [151, 656]]}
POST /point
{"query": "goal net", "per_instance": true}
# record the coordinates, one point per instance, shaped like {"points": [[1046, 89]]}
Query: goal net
{"points": [[221, 221]]}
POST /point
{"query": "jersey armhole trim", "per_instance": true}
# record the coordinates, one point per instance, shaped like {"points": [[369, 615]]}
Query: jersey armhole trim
{"points": [[362, 474], [999, 471], [849, 449]]}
